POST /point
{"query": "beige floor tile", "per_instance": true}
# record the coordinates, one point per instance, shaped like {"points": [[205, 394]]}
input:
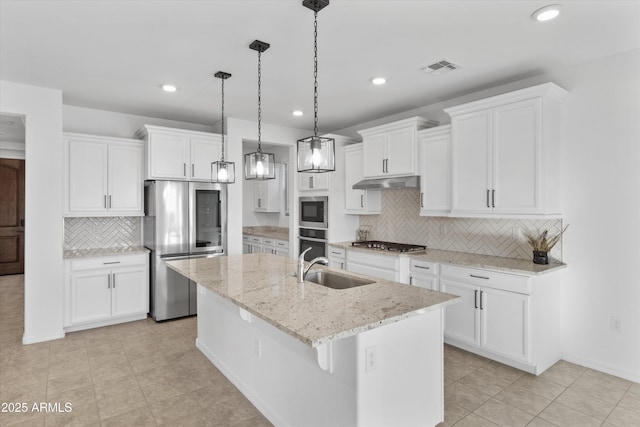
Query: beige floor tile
{"points": [[484, 382], [586, 404], [83, 407], [503, 414], [14, 381], [167, 412], [21, 419], [631, 400], [69, 382], [138, 417], [563, 373], [539, 422], [523, 399], [258, 421], [464, 357], [621, 417], [105, 371], [608, 380], [466, 397], [453, 413], [474, 420], [501, 371], [561, 415], [537, 385], [122, 397], [453, 371], [162, 390], [60, 366], [596, 388], [20, 392]]}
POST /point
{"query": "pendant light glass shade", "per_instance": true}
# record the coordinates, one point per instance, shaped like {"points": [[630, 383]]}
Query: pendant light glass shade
{"points": [[223, 172], [316, 153], [259, 165]]}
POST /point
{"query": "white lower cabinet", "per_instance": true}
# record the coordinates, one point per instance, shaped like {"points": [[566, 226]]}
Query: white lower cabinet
{"points": [[106, 290], [423, 274], [281, 248], [506, 317], [337, 257], [383, 266], [256, 244]]}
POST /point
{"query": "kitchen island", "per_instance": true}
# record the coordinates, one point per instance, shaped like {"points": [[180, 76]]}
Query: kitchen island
{"points": [[306, 354]]}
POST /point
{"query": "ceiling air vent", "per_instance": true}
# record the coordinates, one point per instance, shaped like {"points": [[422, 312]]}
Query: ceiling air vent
{"points": [[441, 67]]}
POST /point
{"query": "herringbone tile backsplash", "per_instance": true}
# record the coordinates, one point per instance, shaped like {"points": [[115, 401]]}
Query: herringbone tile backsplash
{"points": [[400, 222], [102, 232]]}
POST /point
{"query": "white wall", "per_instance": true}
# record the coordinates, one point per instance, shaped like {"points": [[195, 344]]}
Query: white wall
{"points": [[42, 109], [121, 125]]}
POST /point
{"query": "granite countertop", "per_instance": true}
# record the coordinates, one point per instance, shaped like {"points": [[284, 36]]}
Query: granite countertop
{"points": [[280, 233], [99, 252], [509, 265], [263, 285]]}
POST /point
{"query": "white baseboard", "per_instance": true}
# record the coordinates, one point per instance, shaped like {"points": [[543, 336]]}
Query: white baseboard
{"points": [[36, 339], [602, 367]]}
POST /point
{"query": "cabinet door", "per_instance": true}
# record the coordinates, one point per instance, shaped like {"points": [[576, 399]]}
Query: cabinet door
{"points": [[259, 191], [126, 178], [204, 151], [471, 165], [354, 172], [87, 163], [426, 282], [90, 298], [129, 291], [374, 149], [517, 157], [505, 320], [435, 174], [336, 263], [168, 156], [461, 320], [401, 152], [313, 181]]}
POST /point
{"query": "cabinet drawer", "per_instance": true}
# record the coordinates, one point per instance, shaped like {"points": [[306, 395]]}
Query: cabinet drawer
{"points": [[423, 267], [246, 238], [488, 278], [108, 262], [256, 239], [381, 261], [268, 242], [338, 253], [282, 244]]}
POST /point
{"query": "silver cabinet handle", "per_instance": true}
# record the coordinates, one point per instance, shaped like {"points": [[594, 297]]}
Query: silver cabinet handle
{"points": [[423, 267], [382, 165], [335, 253], [310, 182], [109, 281], [488, 205], [113, 282], [111, 262], [193, 170], [481, 307], [411, 280], [475, 298], [342, 265], [109, 201], [422, 200], [362, 200], [479, 277], [184, 170], [105, 201], [493, 198]]}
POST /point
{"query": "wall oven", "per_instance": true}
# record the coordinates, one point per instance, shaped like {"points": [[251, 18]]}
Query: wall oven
{"points": [[314, 212], [314, 239]]}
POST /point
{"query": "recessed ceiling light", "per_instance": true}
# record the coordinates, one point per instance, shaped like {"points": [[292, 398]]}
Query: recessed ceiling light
{"points": [[378, 80], [297, 113], [546, 13], [168, 88]]}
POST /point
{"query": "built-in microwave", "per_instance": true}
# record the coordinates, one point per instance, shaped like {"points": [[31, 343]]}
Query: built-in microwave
{"points": [[314, 212]]}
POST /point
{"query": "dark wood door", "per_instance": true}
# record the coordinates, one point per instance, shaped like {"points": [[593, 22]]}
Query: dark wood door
{"points": [[11, 216]]}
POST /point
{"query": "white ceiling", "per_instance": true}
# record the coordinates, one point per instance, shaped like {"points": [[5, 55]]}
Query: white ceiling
{"points": [[114, 55]]}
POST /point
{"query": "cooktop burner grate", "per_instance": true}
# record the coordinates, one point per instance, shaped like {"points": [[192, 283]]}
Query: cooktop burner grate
{"points": [[388, 246]]}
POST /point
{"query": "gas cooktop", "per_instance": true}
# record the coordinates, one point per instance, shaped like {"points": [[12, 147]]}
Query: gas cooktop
{"points": [[388, 246]]}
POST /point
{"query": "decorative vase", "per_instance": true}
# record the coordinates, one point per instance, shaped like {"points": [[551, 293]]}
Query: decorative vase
{"points": [[540, 257]]}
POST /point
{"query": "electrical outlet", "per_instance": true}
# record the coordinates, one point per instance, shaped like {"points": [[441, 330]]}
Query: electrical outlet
{"points": [[444, 229], [371, 359], [257, 347], [516, 233], [615, 324]]}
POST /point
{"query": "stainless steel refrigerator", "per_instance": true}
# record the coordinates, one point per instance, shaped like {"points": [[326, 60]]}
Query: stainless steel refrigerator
{"points": [[183, 220]]}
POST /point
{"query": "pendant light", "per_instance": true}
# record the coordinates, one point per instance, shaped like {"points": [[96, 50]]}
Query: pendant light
{"points": [[259, 165], [316, 153], [223, 172]]}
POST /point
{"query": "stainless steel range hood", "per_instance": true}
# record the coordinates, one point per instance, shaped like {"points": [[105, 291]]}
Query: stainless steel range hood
{"points": [[388, 183]]}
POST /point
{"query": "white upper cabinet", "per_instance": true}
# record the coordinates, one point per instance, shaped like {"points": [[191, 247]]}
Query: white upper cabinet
{"points": [[358, 201], [266, 193], [180, 154], [391, 149], [505, 154], [434, 148], [310, 181], [102, 176]]}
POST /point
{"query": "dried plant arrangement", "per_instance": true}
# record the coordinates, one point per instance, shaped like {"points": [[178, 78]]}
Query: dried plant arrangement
{"points": [[543, 241]]}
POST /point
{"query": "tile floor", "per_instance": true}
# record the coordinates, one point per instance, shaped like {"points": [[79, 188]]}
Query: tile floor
{"points": [[144, 373]]}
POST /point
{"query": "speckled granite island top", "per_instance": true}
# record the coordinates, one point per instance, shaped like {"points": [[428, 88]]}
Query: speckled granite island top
{"points": [[100, 252], [263, 285], [509, 265]]}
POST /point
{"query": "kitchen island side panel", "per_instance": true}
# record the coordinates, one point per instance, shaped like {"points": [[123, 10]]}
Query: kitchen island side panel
{"points": [[281, 375]]}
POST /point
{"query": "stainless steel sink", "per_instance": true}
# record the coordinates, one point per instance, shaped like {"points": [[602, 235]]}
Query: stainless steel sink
{"points": [[335, 281]]}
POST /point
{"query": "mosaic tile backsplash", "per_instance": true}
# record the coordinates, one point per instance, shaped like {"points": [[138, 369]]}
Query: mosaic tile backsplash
{"points": [[102, 232], [400, 222]]}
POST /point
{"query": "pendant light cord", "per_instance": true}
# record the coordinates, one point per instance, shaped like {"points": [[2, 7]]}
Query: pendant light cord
{"points": [[223, 119], [259, 100], [315, 73]]}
